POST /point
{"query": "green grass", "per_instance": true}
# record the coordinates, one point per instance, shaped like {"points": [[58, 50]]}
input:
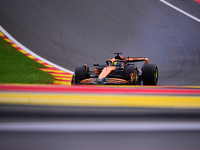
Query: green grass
{"points": [[16, 67]]}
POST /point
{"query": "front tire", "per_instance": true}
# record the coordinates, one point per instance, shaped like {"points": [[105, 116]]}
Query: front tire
{"points": [[150, 74], [81, 73], [131, 74]]}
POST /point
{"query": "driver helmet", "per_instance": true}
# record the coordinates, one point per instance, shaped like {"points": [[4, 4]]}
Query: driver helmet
{"points": [[117, 63]]}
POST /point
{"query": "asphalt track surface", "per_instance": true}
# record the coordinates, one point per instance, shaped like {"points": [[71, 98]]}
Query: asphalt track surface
{"points": [[71, 33]]}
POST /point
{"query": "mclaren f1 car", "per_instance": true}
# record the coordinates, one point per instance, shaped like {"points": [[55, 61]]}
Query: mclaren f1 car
{"points": [[118, 70]]}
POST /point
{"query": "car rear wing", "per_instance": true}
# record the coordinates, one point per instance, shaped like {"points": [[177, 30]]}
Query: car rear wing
{"points": [[136, 59]]}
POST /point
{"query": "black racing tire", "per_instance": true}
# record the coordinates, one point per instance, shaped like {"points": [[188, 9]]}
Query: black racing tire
{"points": [[150, 74], [128, 71], [81, 73], [73, 80]]}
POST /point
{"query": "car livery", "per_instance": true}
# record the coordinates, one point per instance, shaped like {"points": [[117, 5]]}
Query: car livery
{"points": [[118, 70]]}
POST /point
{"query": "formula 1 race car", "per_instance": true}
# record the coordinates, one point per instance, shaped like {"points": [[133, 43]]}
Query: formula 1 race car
{"points": [[119, 70]]}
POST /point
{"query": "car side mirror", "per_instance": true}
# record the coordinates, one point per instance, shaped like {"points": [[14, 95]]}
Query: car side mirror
{"points": [[95, 64]]}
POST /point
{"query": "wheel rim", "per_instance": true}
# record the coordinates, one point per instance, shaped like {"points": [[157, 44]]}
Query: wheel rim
{"points": [[134, 77], [156, 75]]}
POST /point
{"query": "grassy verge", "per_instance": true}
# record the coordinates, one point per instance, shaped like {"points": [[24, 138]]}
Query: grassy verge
{"points": [[16, 67]]}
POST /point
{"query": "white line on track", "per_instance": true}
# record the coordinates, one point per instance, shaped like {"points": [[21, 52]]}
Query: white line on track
{"points": [[99, 126], [181, 11], [32, 53]]}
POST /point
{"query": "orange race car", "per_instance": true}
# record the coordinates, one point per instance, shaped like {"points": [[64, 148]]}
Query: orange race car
{"points": [[119, 70]]}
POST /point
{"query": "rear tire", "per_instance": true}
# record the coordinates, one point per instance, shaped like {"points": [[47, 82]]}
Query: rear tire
{"points": [[150, 74], [130, 74], [81, 73]]}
